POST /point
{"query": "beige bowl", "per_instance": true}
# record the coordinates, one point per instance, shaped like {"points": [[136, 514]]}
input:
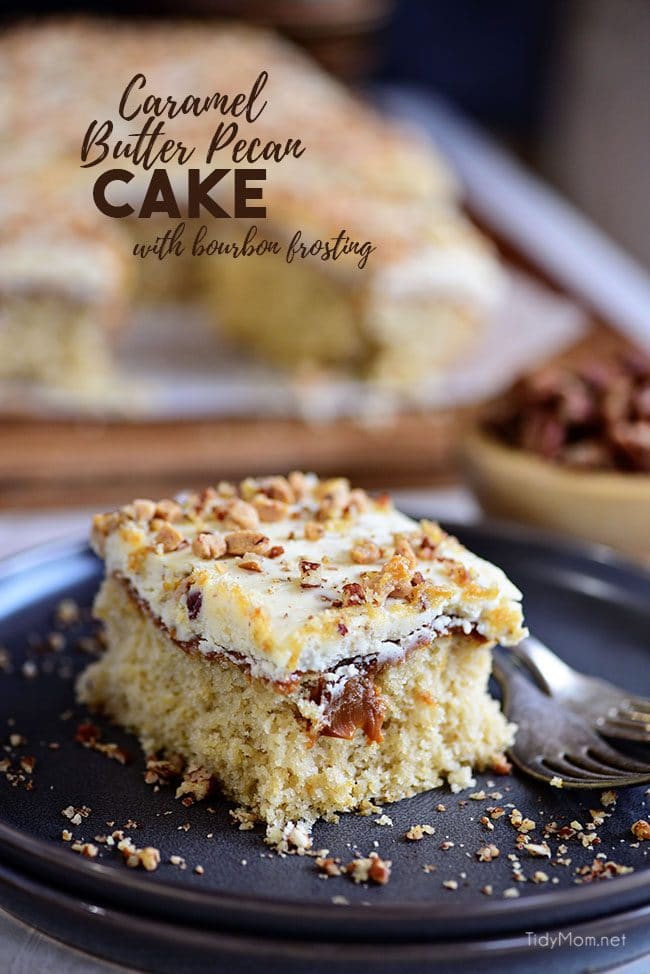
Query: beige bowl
{"points": [[608, 508]]}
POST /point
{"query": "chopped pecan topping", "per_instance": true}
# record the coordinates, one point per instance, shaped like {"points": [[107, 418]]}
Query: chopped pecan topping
{"points": [[194, 601], [432, 532], [250, 563], [247, 542], [365, 552], [168, 510], [404, 548], [313, 531], [269, 509], [143, 509], [102, 526], [279, 489], [169, 538], [240, 514], [394, 579], [357, 502], [334, 496], [353, 594], [207, 545], [310, 574], [455, 570], [298, 484], [206, 499], [226, 489], [275, 551], [309, 566]]}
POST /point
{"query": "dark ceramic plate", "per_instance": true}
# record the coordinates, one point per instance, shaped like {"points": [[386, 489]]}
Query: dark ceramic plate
{"points": [[618, 944], [594, 610]]}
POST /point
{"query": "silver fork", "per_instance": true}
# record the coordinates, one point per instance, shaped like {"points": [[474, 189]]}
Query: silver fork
{"points": [[556, 745], [610, 710]]}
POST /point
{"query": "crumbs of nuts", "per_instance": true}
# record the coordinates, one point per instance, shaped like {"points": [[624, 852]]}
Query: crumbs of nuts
{"points": [[641, 830], [328, 866], [371, 869], [76, 815], [487, 853], [86, 849], [417, 832]]}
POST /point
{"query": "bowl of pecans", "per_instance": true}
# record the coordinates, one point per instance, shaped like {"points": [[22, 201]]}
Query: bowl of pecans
{"points": [[568, 448]]}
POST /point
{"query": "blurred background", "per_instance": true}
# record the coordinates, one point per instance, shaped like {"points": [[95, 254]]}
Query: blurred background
{"points": [[554, 89], [565, 84]]}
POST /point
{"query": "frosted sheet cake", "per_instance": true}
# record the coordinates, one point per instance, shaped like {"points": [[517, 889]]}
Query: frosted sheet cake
{"points": [[415, 307], [309, 647]]}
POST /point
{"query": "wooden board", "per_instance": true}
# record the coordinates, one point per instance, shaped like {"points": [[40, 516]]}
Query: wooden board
{"points": [[61, 463]]}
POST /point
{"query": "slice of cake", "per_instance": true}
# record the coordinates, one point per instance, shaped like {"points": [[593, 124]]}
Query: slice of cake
{"points": [[308, 646], [64, 280]]}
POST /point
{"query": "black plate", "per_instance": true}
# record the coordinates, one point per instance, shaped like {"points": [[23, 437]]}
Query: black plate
{"points": [[594, 610], [147, 944]]}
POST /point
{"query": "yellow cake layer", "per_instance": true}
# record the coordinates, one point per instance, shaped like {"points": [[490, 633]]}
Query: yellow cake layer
{"points": [[440, 722]]}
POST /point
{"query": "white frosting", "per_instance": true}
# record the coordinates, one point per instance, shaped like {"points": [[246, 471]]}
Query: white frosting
{"points": [[83, 271], [281, 627], [453, 271]]}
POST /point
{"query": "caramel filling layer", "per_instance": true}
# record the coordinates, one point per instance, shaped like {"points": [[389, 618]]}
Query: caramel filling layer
{"points": [[346, 704]]}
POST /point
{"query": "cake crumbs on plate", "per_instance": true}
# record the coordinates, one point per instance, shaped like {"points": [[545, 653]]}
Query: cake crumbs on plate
{"points": [[384, 820], [86, 849], [76, 815], [370, 869], [641, 830], [89, 736], [328, 866], [245, 819], [417, 832]]}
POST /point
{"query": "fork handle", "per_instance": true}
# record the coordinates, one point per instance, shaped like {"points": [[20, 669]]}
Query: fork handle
{"points": [[550, 672]]}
